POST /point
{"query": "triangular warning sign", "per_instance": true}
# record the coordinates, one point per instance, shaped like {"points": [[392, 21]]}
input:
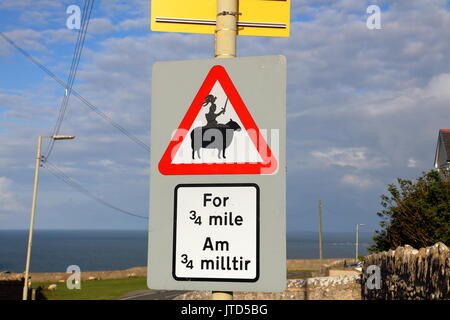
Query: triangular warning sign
{"points": [[217, 135]]}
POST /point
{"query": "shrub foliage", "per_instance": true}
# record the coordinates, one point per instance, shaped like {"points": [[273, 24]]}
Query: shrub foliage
{"points": [[416, 213]]}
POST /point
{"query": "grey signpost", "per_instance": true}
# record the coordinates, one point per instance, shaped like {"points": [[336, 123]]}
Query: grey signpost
{"points": [[218, 229]]}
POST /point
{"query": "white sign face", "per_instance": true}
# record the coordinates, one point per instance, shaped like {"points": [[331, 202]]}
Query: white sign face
{"points": [[241, 148], [216, 232]]}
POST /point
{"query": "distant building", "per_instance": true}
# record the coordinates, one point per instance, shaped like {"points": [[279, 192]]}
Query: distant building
{"points": [[442, 156]]}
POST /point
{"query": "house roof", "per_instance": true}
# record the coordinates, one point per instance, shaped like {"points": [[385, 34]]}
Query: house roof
{"points": [[443, 141]]}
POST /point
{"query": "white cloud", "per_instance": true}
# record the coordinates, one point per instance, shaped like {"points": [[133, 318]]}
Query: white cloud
{"points": [[8, 201], [358, 181], [102, 163], [100, 26], [439, 87], [62, 35], [28, 39], [30, 4], [130, 24], [436, 91], [358, 158], [412, 163], [130, 7]]}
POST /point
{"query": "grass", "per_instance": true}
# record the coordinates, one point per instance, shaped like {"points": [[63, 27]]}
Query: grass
{"points": [[107, 289], [300, 274], [297, 271], [91, 290]]}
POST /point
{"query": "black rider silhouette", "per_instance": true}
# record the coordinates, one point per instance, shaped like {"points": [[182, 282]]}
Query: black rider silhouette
{"points": [[212, 115], [214, 135]]}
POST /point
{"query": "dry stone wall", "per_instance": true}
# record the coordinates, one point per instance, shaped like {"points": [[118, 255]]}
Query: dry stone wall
{"points": [[407, 273], [88, 275], [346, 287], [11, 289]]}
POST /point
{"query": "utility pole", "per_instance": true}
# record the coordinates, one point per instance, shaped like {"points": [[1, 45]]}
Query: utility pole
{"points": [[320, 235], [33, 208], [225, 47], [357, 240]]}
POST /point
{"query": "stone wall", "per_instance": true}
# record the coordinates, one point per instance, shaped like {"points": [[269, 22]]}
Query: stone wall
{"points": [[11, 286], [346, 287], [11, 289], [314, 264], [339, 272], [292, 264], [407, 273], [98, 275]]}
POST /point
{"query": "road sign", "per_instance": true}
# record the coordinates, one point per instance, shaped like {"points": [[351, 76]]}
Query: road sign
{"points": [[218, 231], [201, 145], [257, 17]]}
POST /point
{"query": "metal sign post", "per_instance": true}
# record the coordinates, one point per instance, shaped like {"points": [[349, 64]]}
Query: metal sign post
{"points": [[225, 47], [226, 29]]}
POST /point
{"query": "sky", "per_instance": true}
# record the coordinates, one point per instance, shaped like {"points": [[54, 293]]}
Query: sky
{"points": [[364, 107]]}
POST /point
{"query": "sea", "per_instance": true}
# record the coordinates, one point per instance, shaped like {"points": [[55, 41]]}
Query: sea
{"points": [[96, 250]]}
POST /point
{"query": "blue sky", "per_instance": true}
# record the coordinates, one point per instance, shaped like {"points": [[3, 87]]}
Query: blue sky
{"points": [[364, 106]]}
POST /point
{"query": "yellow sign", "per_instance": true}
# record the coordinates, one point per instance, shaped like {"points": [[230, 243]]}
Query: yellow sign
{"points": [[269, 18]]}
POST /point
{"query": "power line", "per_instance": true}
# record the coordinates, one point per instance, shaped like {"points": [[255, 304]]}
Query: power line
{"points": [[77, 95], [331, 211], [32, 59], [112, 122], [58, 173], [68, 86], [87, 9]]}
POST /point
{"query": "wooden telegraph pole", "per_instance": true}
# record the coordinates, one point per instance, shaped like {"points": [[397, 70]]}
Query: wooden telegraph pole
{"points": [[33, 208], [320, 236]]}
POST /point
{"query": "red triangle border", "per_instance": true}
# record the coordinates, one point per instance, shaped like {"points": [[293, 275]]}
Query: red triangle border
{"points": [[269, 164]]}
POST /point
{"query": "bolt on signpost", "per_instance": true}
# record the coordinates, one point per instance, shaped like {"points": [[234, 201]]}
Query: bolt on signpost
{"points": [[220, 187]]}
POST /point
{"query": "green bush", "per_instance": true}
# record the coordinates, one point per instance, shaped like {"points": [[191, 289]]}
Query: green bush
{"points": [[416, 213]]}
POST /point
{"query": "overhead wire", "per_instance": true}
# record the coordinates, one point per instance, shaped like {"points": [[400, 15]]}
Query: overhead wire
{"points": [[62, 108], [329, 210], [58, 173], [68, 90], [85, 102], [32, 59], [87, 10]]}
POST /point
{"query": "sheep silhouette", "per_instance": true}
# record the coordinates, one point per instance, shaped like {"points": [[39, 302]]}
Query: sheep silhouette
{"points": [[213, 137]]}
